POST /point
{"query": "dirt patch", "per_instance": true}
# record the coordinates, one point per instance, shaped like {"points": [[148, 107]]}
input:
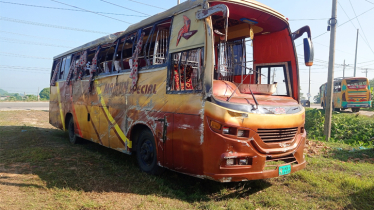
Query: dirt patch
{"points": [[315, 148]]}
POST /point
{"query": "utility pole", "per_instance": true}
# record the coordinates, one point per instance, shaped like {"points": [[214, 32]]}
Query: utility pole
{"points": [[344, 69], [330, 79], [179, 1], [354, 74], [366, 71], [38, 94], [309, 85]]}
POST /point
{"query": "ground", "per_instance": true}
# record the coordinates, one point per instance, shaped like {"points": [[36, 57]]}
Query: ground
{"points": [[40, 169]]}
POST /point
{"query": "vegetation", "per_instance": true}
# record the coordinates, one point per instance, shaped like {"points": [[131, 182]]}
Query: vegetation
{"points": [[40, 169], [345, 127], [44, 94]]}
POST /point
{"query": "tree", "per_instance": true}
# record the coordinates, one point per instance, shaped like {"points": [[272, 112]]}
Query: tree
{"points": [[44, 94], [317, 99]]}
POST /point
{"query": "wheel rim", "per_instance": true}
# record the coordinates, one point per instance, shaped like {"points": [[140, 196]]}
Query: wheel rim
{"points": [[147, 153]]}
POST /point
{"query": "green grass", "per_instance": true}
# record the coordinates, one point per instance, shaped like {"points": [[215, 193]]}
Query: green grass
{"points": [[40, 169]]}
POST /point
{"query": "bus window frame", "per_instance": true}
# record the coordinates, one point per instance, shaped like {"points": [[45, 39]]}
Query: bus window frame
{"points": [[169, 71], [286, 70]]}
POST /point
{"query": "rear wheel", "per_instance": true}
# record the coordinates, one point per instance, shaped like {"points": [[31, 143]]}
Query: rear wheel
{"points": [[73, 138], [146, 154], [355, 109]]}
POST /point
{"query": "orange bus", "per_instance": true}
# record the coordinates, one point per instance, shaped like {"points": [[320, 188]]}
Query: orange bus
{"points": [[180, 91]]}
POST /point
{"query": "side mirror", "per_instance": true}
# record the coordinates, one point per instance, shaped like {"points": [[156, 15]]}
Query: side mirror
{"points": [[308, 52], [308, 45]]}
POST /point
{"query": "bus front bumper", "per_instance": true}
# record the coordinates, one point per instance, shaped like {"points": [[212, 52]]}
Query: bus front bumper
{"points": [[253, 175]]}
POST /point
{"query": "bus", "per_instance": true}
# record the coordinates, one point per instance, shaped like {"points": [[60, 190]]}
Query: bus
{"points": [[352, 92], [206, 88]]}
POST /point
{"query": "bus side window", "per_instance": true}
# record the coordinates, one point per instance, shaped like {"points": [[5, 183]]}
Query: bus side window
{"points": [[186, 71], [67, 67], [62, 68], [125, 50]]}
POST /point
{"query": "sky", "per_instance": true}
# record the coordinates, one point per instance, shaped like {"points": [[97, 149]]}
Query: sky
{"points": [[31, 36]]}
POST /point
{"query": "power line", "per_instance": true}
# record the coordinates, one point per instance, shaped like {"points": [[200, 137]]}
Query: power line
{"points": [[148, 4], [123, 7], [33, 36], [340, 25], [3, 39], [75, 10], [49, 25], [25, 67], [366, 62], [28, 71], [91, 12], [367, 42], [369, 2], [22, 56]]}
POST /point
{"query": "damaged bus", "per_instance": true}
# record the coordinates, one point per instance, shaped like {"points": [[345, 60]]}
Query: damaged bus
{"points": [[208, 88]]}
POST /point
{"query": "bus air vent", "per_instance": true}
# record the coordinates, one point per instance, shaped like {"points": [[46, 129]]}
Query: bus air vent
{"points": [[277, 135]]}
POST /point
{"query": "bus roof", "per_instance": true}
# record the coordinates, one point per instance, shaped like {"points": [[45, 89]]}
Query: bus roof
{"points": [[346, 78], [169, 13]]}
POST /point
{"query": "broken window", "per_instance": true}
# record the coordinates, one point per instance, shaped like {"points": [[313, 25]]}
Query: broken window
{"points": [[156, 47], [105, 57], [124, 52], [186, 71]]}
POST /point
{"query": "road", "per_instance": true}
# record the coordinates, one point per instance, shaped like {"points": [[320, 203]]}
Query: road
{"points": [[367, 113], [4, 106]]}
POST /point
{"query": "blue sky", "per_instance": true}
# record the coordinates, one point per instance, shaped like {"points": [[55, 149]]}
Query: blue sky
{"points": [[28, 47]]}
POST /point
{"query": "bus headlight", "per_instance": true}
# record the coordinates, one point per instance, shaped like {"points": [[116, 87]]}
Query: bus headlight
{"points": [[230, 161]]}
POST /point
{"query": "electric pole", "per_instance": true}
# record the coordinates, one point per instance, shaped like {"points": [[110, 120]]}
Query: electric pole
{"points": [[366, 71], [330, 79], [309, 85], [38, 94], [179, 1], [344, 69], [354, 74]]}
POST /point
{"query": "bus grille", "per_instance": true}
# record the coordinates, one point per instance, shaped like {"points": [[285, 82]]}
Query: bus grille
{"points": [[277, 135]]}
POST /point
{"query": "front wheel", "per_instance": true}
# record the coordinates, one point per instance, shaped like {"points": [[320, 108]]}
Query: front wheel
{"points": [[73, 138], [146, 154]]}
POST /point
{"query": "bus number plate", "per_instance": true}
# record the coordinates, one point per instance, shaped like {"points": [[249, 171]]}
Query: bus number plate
{"points": [[284, 170]]}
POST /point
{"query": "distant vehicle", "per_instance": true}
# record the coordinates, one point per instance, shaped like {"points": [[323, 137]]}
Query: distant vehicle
{"points": [[177, 90], [305, 103], [353, 93]]}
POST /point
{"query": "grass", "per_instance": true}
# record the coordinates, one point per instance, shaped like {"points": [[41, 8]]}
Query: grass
{"points": [[40, 169]]}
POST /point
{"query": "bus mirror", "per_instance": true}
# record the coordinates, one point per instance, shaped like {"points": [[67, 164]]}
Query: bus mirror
{"points": [[308, 52], [217, 9]]}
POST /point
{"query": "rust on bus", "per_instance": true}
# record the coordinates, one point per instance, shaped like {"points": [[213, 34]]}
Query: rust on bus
{"points": [[180, 90]]}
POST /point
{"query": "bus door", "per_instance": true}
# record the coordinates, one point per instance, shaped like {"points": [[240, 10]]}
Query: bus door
{"points": [[164, 139]]}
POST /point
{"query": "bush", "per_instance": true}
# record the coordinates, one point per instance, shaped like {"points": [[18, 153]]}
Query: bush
{"points": [[350, 128]]}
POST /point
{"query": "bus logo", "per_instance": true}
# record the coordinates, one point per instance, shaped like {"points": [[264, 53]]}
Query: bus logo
{"points": [[185, 30]]}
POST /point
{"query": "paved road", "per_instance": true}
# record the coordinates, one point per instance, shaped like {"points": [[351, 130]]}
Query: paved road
{"points": [[367, 113], [4, 106]]}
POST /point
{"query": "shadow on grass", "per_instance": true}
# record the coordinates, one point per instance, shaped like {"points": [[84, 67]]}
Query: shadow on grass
{"points": [[352, 154], [92, 167], [359, 200]]}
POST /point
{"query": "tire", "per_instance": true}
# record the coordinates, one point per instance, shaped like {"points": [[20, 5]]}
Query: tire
{"points": [[355, 109], [73, 138], [146, 153]]}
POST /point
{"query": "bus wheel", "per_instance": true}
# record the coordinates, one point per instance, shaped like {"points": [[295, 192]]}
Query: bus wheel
{"points": [[355, 109], [146, 154], [73, 138]]}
